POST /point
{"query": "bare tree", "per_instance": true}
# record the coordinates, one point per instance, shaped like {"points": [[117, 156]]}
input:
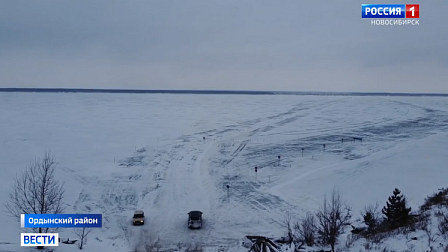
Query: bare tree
{"points": [[305, 229], [82, 234], [332, 217], [37, 191]]}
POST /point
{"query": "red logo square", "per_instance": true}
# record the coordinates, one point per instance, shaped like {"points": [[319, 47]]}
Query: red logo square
{"points": [[412, 10]]}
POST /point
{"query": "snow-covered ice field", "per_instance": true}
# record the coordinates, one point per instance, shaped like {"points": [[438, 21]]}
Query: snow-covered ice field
{"points": [[122, 152]]}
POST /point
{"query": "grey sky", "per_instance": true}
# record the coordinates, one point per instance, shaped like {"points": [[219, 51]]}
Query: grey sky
{"points": [[202, 44]]}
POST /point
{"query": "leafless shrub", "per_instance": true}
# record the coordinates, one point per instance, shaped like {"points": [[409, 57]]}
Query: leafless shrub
{"points": [[372, 217], [380, 236], [421, 221], [442, 226], [82, 234], [287, 224], [331, 218], [438, 198], [431, 236], [377, 238], [305, 229], [351, 239], [367, 246]]}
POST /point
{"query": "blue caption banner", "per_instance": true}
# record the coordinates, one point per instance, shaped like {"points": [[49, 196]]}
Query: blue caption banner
{"points": [[61, 220], [383, 10]]}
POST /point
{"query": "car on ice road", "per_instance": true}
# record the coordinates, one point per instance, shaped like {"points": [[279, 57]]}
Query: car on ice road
{"points": [[195, 219], [138, 218]]}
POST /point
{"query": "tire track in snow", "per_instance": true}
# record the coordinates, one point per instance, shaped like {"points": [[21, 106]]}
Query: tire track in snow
{"points": [[235, 153], [266, 202], [332, 130], [276, 190], [267, 208], [184, 189]]}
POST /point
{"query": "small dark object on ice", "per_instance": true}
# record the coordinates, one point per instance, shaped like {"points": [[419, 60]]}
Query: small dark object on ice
{"points": [[68, 241]]}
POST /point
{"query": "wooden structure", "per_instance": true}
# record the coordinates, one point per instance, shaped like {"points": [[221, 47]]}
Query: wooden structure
{"points": [[262, 244]]}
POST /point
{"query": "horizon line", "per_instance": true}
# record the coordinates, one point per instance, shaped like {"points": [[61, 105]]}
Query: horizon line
{"points": [[209, 91]]}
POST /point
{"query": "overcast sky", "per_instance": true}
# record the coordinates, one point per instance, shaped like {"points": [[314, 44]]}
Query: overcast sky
{"points": [[202, 44]]}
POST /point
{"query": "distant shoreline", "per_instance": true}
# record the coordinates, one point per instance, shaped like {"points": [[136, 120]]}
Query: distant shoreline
{"points": [[241, 92]]}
